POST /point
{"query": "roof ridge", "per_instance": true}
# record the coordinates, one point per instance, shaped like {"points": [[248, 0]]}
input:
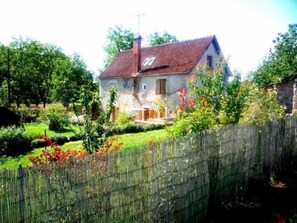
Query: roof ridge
{"points": [[181, 41], [177, 42]]}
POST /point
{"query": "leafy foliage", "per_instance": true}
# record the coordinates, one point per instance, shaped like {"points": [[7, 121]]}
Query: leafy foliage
{"points": [[209, 101], [57, 154], [157, 38], [281, 61], [58, 122], [40, 73], [96, 127], [124, 118], [14, 141], [262, 105], [119, 39]]}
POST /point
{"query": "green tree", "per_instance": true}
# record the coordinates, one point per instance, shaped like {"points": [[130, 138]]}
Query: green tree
{"points": [[69, 78], [42, 73], [157, 39], [281, 61], [119, 39], [3, 75]]}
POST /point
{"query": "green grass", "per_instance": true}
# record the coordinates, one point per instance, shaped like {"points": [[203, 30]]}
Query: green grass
{"points": [[37, 129], [131, 141], [136, 140]]}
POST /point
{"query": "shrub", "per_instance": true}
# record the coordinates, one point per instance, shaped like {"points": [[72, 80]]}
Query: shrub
{"points": [[262, 106], [196, 121], [58, 122], [57, 154], [14, 141], [28, 115], [153, 127], [38, 143], [124, 118], [60, 140], [75, 137], [49, 109], [132, 128], [8, 117]]}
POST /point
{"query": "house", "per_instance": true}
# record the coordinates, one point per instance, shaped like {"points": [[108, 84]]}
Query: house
{"points": [[287, 92], [148, 75]]}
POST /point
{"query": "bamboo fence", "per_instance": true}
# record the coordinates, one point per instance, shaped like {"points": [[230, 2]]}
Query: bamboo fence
{"points": [[173, 181]]}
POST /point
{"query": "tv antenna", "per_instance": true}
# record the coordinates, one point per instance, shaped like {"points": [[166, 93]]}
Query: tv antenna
{"points": [[138, 21]]}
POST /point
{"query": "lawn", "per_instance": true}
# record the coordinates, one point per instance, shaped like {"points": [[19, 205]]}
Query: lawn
{"points": [[42, 129], [130, 141]]}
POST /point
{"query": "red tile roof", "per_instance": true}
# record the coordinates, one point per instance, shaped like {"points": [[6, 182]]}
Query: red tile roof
{"points": [[178, 57]]}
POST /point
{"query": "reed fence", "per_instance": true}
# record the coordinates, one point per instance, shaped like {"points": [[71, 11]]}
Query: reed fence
{"points": [[173, 181]]}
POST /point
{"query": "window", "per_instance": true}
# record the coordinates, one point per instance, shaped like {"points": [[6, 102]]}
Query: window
{"points": [[126, 83], [143, 86], [113, 82], [161, 86], [209, 62], [148, 61]]}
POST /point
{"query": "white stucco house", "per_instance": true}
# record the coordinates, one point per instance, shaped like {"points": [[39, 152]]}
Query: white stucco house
{"points": [[146, 75]]}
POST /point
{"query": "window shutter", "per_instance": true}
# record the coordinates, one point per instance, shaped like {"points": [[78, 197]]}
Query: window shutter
{"points": [[162, 86], [158, 86]]}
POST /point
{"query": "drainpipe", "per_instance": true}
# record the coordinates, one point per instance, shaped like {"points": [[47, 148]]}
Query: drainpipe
{"points": [[294, 102]]}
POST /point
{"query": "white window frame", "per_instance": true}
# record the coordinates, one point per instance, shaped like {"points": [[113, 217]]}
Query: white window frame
{"points": [[143, 86], [148, 61]]}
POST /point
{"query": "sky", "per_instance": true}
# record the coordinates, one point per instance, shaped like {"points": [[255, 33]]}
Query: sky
{"points": [[244, 28]]}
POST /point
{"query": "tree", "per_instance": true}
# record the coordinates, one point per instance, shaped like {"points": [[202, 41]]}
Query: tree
{"points": [[41, 73], [119, 39], [33, 65], [69, 79], [3, 75], [157, 39], [281, 61]]}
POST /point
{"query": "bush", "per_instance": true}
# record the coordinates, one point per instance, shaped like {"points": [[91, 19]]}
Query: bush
{"points": [[262, 106], [132, 128], [58, 122], [153, 127], [28, 115], [8, 117], [14, 141], [49, 109], [124, 118], [75, 137], [60, 140], [38, 143]]}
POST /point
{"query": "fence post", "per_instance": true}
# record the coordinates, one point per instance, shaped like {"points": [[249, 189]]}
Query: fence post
{"points": [[21, 193]]}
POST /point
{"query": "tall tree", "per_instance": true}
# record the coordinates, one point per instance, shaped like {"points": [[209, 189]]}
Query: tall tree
{"points": [[281, 61], [157, 39], [42, 72], [33, 66], [3, 75], [119, 39], [70, 78]]}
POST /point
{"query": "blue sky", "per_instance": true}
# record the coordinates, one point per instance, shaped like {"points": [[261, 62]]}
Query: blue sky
{"points": [[244, 28]]}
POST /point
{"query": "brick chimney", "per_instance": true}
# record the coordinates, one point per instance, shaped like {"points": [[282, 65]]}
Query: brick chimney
{"points": [[137, 54]]}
